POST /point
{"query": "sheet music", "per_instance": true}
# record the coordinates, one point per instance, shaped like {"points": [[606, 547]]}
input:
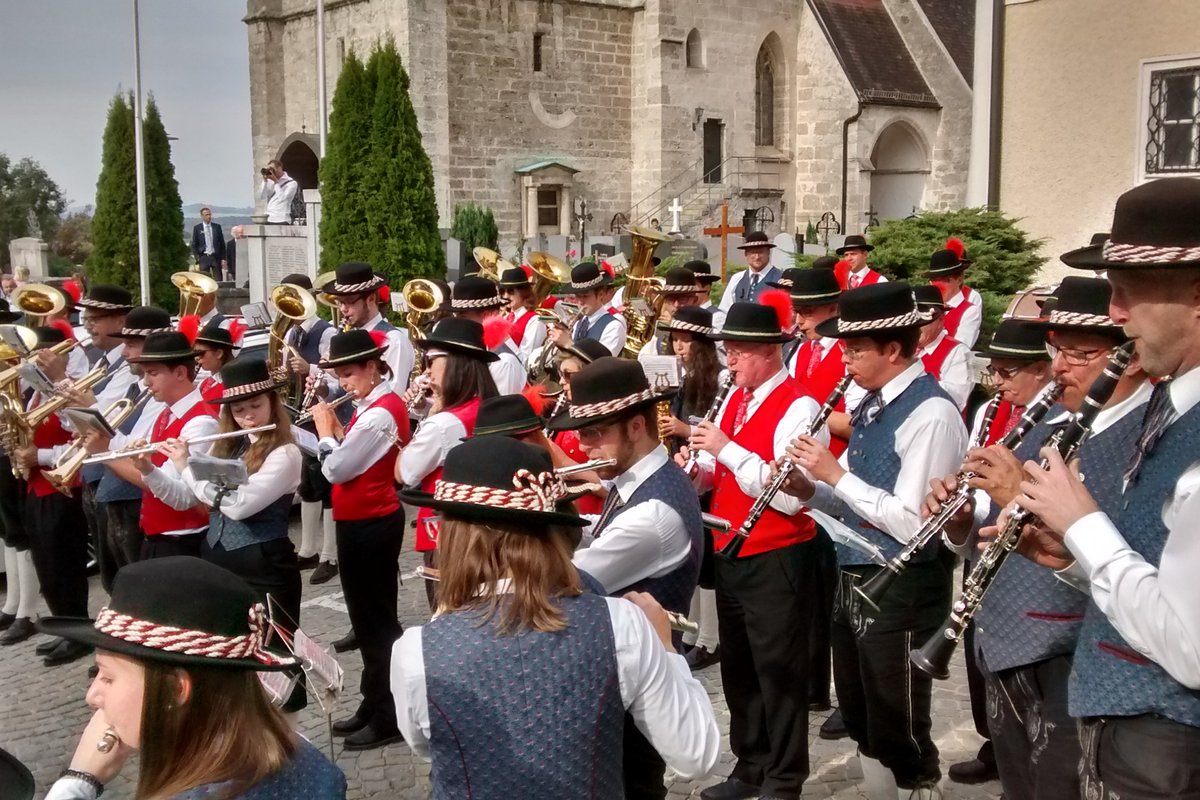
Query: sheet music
{"points": [[661, 370], [227, 472]]}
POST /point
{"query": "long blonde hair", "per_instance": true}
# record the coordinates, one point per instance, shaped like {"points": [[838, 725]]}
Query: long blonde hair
{"points": [[257, 453]]}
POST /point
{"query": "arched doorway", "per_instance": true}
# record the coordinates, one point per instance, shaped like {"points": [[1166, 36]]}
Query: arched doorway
{"points": [[299, 156], [900, 166]]}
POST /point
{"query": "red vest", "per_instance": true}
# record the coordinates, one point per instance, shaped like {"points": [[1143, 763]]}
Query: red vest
{"points": [[372, 493], [822, 382], [590, 503], [49, 434], [934, 361], [466, 414], [519, 325], [211, 389], [870, 276], [157, 517], [773, 530], [953, 316]]}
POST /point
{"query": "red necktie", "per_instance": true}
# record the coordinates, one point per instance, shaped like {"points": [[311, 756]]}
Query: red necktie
{"points": [[814, 358], [160, 425], [1013, 419], [739, 418], [855, 280]]}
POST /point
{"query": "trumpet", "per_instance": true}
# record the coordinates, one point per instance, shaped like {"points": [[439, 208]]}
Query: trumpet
{"points": [[585, 466], [328, 300], [734, 546], [307, 416], [20, 425], [711, 414], [68, 464], [422, 385], [61, 348], [129, 452], [934, 657], [874, 589]]}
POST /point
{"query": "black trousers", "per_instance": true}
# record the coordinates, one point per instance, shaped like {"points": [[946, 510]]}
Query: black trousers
{"points": [[58, 546], [123, 531], [368, 552], [1035, 739], [97, 526], [764, 612], [1140, 758], [976, 688], [819, 647], [884, 699], [164, 546], [12, 507], [314, 486], [644, 769]]}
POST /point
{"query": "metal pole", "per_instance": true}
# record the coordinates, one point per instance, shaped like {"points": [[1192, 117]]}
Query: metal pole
{"points": [[140, 163], [322, 105]]}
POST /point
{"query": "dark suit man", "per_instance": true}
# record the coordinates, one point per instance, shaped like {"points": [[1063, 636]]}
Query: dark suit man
{"points": [[208, 245]]}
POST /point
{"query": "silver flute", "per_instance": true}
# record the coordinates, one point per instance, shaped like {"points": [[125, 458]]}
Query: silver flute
{"points": [[307, 416], [585, 466], [153, 446]]}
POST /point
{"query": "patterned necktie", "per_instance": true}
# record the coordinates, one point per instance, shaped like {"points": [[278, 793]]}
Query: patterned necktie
{"points": [[814, 357], [1160, 413], [612, 505], [868, 409], [1013, 418], [855, 281], [739, 419], [160, 425], [753, 284]]}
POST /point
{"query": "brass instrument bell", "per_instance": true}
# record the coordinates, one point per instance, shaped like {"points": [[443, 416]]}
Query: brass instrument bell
{"points": [[193, 288]]}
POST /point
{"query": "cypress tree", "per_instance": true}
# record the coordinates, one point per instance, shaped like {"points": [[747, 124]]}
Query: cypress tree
{"points": [[475, 226], [343, 169], [164, 211], [114, 257]]}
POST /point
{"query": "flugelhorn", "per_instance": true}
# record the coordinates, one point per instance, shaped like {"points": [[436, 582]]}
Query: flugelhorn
{"points": [[20, 426], [129, 452], [934, 657], [70, 461], [876, 587], [295, 305], [306, 416]]}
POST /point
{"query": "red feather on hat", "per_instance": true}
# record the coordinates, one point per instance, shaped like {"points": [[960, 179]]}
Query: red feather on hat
{"points": [[73, 289], [189, 326], [842, 271], [549, 302], [379, 338], [64, 326], [781, 303], [495, 330], [536, 399], [385, 294], [957, 247], [236, 329], [528, 270], [607, 267]]}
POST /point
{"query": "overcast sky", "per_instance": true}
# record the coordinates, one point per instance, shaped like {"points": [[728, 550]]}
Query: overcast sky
{"points": [[61, 61]]}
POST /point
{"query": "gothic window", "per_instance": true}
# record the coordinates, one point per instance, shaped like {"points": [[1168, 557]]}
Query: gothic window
{"points": [[694, 49], [1173, 119], [764, 98]]}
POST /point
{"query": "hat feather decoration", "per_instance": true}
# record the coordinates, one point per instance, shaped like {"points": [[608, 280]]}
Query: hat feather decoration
{"points": [[379, 338], [236, 330], [385, 294], [63, 326], [781, 303], [957, 247], [495, 330], [604, 265], [842, 270], [73, 290], [536, 399], [189, 326], [528, 270]]}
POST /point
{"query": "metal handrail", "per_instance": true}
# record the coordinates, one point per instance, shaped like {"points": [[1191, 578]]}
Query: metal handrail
{"points": [[734, 178]]}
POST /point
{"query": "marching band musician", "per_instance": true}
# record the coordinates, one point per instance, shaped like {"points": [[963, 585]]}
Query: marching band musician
{"points": [[764, 597], [560, 668], [1135, 681], [944, 357], [528, 331], [1028, 623], [747, 285], [357, 459], [704, 280], [597, 321], [206, 309], [570, 362], [906, 431], [213, 347], [964, 305], [852, 270], [21, 595], [478, 299], [459, 379], [680, 290]]}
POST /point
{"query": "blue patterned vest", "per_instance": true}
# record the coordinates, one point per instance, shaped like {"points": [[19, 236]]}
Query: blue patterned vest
{"points": [[309, 342], [744, 294], [871, 456], [1110, 677], [536, 716], [584, 330], [90, 473], [1028, 614], [307, 774], [670, 485], [112, 489], [234, 534]]}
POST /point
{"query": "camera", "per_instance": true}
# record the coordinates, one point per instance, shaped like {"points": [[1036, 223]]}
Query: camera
{"points": [[266, 172]]}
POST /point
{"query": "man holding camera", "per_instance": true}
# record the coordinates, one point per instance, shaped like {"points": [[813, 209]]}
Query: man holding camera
{"points": [[278, 189]]}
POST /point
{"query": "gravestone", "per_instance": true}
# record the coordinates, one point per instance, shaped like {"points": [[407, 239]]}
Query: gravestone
{"points": [[684, 250], [559, 246], [272, 252], [784, 254], [457, 258], [32, 254], [603, 251]]}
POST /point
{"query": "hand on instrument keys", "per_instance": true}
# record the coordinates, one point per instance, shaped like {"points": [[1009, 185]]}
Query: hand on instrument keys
{"points": [[95, 442], [1056, 494], [90, 759], [709, 438], [998, 472], [316, 385], [298, 365], [25, 457], [141, 462], [807, 452], [958, 527], [326, 421], [674, 427], [177, 451], [53, 364], [83, 398], [656, 614], [797, 483], [1037, 543], [559, 335]]}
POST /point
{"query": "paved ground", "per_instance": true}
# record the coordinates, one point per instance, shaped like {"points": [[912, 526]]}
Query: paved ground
{"points": [[42, 709]]}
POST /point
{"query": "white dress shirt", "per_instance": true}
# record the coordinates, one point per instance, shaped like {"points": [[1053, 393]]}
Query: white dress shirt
{"points": [[434, 438], [208, 238], [508, 373], [956, 378], [972, 318], [77, 361], [533, 338], [211, 315], [399, 355], [752, 472], [1156, 609], [279, 195], [365, 443], [931, 443], [614, 333], [646, 540], [855, 279], [279, 475], [729, 295], [119, 382], [165, 482], [657, 688]]}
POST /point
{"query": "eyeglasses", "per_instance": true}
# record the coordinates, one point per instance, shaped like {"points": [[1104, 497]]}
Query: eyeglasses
{"points": [[594, 433], [855, 353], [1003, 374], [1074, 356]]}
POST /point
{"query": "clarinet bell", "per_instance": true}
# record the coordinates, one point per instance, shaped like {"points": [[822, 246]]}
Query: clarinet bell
{"points": [[733, 548], [934, 656], [876, 587]]}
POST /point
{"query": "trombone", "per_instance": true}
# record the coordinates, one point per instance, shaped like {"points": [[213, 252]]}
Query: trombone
{"points": [[193, 288], [70, 461], [129, 452]]}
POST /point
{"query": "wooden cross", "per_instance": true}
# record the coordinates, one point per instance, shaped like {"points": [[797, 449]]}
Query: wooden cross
{"points": [[724, 232]]}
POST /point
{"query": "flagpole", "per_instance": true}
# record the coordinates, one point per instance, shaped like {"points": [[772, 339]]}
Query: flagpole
{"points": [[140, 163], [322, 116]]}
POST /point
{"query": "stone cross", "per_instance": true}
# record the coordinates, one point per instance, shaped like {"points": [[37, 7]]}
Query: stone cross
{"points": [[676, 209], [724, 232]]}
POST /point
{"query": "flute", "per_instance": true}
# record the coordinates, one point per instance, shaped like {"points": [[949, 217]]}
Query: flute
{"points": [[306, 417], [585, 466], [153, 446]]}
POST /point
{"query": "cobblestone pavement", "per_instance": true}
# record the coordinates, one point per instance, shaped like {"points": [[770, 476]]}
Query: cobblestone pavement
{"points": [[42, 710]]}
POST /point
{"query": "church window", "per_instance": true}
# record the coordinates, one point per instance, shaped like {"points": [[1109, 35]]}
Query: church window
{"points": [[1172, 118], [537, 52], [694, 50], [764, 98], [547, 200]]}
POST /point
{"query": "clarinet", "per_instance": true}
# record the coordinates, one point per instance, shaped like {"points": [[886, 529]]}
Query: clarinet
{"points": [[874, 589], [934, 657], [558, 406], [711, 414], [733, 547]]}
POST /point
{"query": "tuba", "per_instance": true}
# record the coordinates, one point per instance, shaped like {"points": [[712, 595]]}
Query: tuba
{"points": [[422, 297], [193, 288], [295, 305], [490, 263], [38, 301], [640, 278], [548, 272], [21, 424]]}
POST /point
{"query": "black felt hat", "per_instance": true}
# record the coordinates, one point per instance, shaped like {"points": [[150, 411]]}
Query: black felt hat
{"points": [[786, 279], [755, 239], [588, 350], [6, 315], [752, 322], [354, 277], [587, 276], [16, 781], [108, 298], [824, 262], [178, 610], [694, 320], [514, 278], [353, 347], [604, 390], [1017, 340], [298, 279], [1080, 304], [245, 377], [813, 287], [929, 298], [1155, 226], [215, 336], [475, 293], [878, 308], [459, 336], [498, 478], [143, 321], [854, 242], [166, 347], [949, 261], [703, 271], [508, 415], [680, 280]]}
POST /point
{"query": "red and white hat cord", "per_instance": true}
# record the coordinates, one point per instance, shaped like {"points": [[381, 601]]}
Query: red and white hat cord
{"points": [[189, 642], [584, 410], [1080, 318], [532, 492], [1148, 253]]}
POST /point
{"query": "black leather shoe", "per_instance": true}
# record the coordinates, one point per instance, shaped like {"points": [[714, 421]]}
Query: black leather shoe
{"points": [[349, 725], [834, 728], [324, 572], [973, 771], [45, 647], [367, 738], [819, 705], [6, 620], [20, 630], [731, 789], [346, 643], [699, 658], [67, 652], [308, 562]]}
